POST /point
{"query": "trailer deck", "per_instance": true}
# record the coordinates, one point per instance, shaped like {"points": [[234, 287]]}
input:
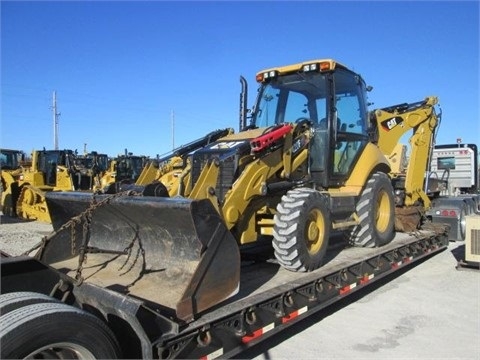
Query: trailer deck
{"points": [[272, 298]]}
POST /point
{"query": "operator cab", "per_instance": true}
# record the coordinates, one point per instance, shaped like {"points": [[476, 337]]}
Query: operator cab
{"points": [[332, 99], [11, 159], [48, 162]]}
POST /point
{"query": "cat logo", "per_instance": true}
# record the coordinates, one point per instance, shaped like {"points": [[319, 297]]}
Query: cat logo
{"points": [[389, 124]]}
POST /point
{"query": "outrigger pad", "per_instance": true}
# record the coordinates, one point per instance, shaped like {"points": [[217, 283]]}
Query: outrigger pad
{"points": [[177, 246]]}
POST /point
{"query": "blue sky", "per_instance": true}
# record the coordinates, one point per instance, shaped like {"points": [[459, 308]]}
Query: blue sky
{"points": [[120, 69]]}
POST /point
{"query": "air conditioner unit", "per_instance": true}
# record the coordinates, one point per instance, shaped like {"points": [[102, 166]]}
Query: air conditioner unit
{"points": [[472, 239]]}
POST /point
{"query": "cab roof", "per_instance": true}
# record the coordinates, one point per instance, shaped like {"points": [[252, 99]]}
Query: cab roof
{"points": [[329, 64]]}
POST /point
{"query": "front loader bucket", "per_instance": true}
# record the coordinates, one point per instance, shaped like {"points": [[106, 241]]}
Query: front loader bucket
{"points": [[176, 253]]}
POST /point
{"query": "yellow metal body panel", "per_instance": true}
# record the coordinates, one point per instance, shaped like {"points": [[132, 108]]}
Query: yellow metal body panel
{"points": [[372, 158]]}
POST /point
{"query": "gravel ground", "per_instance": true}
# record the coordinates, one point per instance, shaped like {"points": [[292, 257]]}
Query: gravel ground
{"points": [[18, 236]]}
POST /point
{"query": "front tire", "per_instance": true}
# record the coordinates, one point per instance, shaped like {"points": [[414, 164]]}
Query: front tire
{"points": [[376, 212], [55, 331], [301, 230]]}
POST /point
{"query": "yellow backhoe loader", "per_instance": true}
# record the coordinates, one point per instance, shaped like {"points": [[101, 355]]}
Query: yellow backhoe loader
{"points": [[305, 162]]}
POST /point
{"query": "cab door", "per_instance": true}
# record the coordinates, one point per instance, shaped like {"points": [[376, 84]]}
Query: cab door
{"points": [[349, 125]]}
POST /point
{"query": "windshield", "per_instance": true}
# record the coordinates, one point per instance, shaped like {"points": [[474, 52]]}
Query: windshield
{"points": [[102, 162], [290, 98], [98, 160], [10, 159]]}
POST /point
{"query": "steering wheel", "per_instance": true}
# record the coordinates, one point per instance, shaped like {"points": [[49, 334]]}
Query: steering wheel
{"points": [[301, 119]]}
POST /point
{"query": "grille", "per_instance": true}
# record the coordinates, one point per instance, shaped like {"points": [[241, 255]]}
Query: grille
{"points": [[475, 241], [226, 173], [472, 238]]}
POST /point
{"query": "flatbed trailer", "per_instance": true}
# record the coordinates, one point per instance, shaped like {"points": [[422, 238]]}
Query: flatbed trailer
{"points": [[270, 298]]}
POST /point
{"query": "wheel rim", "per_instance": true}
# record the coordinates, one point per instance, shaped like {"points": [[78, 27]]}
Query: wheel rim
{"points": [[383, 212], [315, 232], [61, 350]]}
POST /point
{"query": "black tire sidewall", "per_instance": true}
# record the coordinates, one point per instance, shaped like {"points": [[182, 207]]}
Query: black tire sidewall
{"points": [[378, 185], [40, 325], [308, 261]]}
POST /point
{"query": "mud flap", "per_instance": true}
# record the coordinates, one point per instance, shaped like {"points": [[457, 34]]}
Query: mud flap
{"points": [[183, 244]]}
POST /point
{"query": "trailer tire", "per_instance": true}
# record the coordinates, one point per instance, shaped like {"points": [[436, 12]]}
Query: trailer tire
{"points": [[376, 212], [15, 300], [301, 230], [55, 330]]}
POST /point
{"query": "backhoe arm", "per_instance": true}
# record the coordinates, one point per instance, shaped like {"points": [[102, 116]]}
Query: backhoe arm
{"points": [[394, 122]]}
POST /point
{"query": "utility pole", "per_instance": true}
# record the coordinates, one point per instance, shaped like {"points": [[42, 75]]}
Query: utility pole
{"points": [[55, 121], [173, 129]]}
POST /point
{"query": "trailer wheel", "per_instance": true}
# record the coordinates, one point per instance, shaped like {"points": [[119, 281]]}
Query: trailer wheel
{"points": [[301, 230], [55, 331], [15, 300], [376, 211]]}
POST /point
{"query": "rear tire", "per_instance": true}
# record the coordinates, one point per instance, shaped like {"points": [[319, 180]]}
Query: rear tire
{"points": [[15, 300], [55, 330], [301, 230], [376, 212]]}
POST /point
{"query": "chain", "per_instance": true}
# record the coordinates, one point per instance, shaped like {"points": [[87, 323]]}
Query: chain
{"points": [[142, 272], [87, 216], [73, 233], [140, 252], [128, 250], [82, 256], [83, 218]]}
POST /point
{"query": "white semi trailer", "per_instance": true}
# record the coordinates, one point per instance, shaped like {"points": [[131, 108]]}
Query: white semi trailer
{"points": [[458, 164]]}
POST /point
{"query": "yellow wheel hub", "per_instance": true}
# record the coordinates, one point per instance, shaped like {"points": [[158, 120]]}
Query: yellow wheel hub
{"points": [[315, 231], [383, 214]]}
